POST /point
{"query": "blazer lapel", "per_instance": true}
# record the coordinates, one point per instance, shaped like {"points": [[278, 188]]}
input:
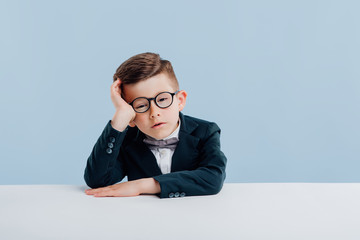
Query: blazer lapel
{"points": [[143, 156], [186, 152]]}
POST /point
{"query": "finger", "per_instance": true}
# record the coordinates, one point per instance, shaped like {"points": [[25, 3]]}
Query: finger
{"points": [[90, 192], [115, 85], [107, 193], [95, 190], [115, 88], [117, 82]]}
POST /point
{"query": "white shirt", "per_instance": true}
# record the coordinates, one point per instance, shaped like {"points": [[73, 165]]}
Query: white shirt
{"points": [[164, 155]]}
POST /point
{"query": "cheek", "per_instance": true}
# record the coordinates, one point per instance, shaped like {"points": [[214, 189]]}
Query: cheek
{"points": [[176, 106], [173, 113], [139, 119]]}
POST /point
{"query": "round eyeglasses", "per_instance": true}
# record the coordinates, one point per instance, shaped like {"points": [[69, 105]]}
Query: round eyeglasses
{"points": [[162, 100]]}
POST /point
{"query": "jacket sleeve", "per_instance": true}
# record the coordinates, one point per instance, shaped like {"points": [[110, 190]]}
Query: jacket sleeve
{"points": [[207, 179], [103, 168]]}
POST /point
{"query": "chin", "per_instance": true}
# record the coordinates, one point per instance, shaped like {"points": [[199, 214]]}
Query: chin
{"points": [[159, 135]]}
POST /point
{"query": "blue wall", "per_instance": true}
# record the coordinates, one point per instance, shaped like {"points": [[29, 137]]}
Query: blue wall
{"points": [[281, 78]]}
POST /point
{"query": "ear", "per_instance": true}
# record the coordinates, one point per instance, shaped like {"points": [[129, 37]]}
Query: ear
{"points": [[181, 96]]}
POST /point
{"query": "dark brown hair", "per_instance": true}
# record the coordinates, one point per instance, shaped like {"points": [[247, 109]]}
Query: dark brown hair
{"points": [[143, 66]]}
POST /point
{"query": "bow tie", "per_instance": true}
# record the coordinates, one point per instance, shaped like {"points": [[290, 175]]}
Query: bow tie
{"points": [[170, 143]]}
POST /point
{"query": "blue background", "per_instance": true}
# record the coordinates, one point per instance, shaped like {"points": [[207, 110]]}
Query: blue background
{"points": [[281, 79]]}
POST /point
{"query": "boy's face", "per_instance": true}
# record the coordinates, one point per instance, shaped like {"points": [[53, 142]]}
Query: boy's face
{"points": [[156, 122]]}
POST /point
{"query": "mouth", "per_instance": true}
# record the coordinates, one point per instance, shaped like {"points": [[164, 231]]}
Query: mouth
{"points": [[157, 125]]}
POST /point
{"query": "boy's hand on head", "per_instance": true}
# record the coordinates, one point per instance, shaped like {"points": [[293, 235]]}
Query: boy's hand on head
{"points": [[127, 189], [118, 101], [124, 114]]}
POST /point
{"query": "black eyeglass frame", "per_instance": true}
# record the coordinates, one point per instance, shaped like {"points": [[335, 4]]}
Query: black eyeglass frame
{"points": [[154, 98]]}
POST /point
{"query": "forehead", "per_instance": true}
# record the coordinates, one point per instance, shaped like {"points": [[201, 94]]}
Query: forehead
{"points": [[149, 87]]}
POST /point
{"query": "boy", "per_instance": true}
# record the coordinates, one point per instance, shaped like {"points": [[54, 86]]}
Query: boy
{"points": [[150, 141]]}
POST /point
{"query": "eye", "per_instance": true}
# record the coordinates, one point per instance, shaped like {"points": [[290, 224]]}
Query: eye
{"points": [[140, 106], [162, 99]]}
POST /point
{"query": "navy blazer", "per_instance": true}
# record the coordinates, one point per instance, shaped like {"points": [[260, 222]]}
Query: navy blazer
{"points": [[197, 168]]}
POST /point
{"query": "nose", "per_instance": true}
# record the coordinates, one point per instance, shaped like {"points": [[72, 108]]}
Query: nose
{"points": [[154, 110]]}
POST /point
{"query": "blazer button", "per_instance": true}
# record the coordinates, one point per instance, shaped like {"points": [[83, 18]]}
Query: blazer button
{"points": [[109, 151], [110, 145], [112, 139], [177, 194], [182, 194], [171, 195]]}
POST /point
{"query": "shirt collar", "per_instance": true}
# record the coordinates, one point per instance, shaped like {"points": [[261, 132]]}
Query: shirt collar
{"points": [[175, 132]]}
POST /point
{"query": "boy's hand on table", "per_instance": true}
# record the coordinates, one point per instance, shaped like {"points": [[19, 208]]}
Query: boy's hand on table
{"points": [[124, 114], [127, 189]]}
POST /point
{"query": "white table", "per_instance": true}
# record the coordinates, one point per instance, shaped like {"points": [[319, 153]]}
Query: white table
{"points": [[240, 211]]}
